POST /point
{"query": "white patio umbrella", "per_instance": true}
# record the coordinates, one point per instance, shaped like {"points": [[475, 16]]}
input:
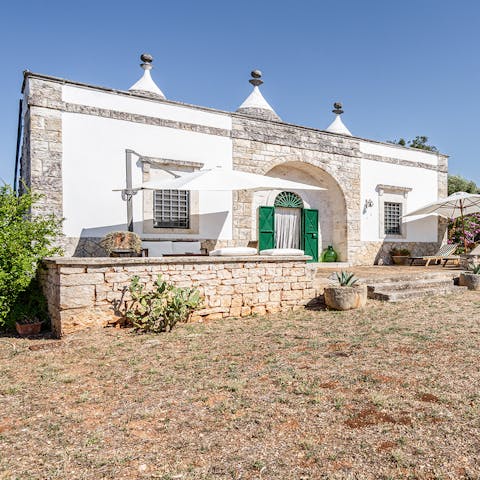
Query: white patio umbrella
{"points": [[221, 179], [456, 205], [215, 179]]}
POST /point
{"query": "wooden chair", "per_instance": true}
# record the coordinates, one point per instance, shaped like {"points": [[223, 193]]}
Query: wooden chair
{"points": [[444, 254]]}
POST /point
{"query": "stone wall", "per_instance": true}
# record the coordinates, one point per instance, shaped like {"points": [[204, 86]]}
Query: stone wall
{"points": [[378, 253], [260, 146], [41, 162], [90, 292]]}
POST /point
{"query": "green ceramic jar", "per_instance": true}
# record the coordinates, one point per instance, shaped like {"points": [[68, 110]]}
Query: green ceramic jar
{"points": [[329, 255]]}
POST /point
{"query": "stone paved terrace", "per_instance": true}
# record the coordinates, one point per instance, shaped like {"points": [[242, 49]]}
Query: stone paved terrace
{"points": [[394, 283]]}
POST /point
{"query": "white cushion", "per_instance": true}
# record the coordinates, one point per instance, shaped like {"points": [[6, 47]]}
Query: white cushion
{"points": [[233, 251], [186, 247], [283, 251], [157, 249]]}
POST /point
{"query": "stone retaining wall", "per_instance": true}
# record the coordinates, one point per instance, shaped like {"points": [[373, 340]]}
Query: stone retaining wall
{"points": [[90, 292]]}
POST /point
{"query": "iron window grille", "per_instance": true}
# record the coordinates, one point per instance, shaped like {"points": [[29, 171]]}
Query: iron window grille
{"points": [[171, 209], [392, 222]]}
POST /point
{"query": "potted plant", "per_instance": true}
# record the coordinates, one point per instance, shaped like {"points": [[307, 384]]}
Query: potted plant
{"points": [[122, 244], [30, 310], [471, 279], [399, 255], [349, 294]]}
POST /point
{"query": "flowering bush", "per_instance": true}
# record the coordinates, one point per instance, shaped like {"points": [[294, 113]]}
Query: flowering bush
{"points": [[472, 231]]}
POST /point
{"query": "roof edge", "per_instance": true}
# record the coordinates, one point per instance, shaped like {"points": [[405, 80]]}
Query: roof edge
{"points": [[27, 74]]}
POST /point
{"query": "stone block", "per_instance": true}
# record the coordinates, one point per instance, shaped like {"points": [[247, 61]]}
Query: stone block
{"points": [[292, 295], [245, 288], [237, 301], [224, 274], [259, 310], [225, 290], [245, 311], [235, 311], [225, 300], [272, 307], [77, 296], [275, 296], [116, 277], [81, 279], [235, 281], [70, 270]]}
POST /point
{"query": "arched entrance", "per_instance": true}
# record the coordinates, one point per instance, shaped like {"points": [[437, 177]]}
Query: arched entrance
{"points": [[324, 213], [287, 224]]}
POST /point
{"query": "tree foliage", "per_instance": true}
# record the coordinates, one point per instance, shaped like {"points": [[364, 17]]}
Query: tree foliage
{"points": [[420, 142], [456, 183], [25, 239]]}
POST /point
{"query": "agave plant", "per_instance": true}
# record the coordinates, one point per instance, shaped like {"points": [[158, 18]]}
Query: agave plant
{"points": [[475, 269], [346, 279]]}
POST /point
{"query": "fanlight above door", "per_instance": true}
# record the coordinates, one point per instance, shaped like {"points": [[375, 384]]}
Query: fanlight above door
{"points": [[288, 200]]}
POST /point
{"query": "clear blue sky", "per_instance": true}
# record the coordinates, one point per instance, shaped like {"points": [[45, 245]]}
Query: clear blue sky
{"points": [[401, 68]]}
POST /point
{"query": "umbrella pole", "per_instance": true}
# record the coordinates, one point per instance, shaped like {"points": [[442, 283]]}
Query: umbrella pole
{"points": [[463, 227]]}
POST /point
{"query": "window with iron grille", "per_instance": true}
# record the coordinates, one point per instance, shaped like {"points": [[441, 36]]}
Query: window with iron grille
{"points": [[171, 209], [392, 220]]}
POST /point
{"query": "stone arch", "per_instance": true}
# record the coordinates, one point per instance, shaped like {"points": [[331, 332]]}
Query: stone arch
{"points": [[330, 203]]}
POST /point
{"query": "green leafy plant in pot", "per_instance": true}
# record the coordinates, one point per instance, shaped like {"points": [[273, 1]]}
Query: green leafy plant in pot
{"points": [[30, 310], [347, 295]]}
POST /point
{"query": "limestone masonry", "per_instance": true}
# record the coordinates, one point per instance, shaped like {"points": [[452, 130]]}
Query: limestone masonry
{"points": [[90, 292]]}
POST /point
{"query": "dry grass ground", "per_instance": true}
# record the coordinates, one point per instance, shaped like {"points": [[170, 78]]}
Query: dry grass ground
{"points": [[389, 392]]}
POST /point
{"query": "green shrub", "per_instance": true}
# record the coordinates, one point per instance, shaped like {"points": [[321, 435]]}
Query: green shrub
{"points": [[346, 279], [31, 305], [24, 240], [160, 309]]}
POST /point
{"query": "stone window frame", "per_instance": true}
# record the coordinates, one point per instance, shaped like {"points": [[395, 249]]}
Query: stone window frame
{"points": [[148, 219], [392, 194], [178, 201]]}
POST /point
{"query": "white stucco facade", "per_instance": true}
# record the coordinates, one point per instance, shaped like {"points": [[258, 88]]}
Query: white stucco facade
{"points": [[76, 136], [94, 162]]}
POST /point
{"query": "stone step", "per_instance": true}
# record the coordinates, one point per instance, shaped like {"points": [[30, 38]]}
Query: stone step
{"points": [[409, 278], [411, 284], [412, 293]]}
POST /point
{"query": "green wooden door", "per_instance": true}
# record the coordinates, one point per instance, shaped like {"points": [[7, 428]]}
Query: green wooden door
{"points": [[310, 233], [266, 228]]}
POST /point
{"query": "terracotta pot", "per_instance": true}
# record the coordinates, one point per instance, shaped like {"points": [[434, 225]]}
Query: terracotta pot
{"points": [[26, 329], [470, 280], [399, 259], [346, 298]]}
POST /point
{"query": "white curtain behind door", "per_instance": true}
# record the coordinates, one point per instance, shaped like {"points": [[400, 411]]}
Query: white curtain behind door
{"points": [[287, 227]]}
